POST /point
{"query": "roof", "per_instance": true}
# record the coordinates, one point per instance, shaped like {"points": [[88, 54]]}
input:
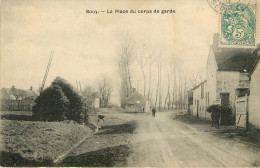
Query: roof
{"points": [[256, 61], [198, 85], [233, 59], [135, 97], [6, 92]]}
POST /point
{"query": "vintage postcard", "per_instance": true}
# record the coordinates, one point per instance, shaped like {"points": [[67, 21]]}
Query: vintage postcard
{"points": [[146, 83]]}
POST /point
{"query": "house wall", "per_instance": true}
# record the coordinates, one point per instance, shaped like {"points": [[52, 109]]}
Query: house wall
{"points": [[136, 107], [199, 109], [227, 82], [207, 115], [254, 99], [211, 77]]}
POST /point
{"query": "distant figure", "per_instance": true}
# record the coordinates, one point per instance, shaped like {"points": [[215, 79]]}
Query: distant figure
{"points": [[153, 110]]}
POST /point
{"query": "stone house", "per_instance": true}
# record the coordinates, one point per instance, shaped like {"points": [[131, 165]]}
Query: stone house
{"points": [[254, 98], [199, 101], [227, 70], [137, 103]]}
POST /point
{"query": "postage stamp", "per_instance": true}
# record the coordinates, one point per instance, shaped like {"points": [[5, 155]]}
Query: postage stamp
{"points": [[238, 25]]}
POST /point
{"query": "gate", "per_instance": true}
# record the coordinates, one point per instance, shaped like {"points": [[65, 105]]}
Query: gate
{"points": [[241, 111]]}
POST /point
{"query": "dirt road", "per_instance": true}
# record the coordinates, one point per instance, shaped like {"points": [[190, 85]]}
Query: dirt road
{"points": [[144, 141], [162, 141]]}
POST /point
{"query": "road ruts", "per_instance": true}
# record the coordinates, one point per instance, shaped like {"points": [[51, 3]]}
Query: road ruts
{"points": [[164, 142]]}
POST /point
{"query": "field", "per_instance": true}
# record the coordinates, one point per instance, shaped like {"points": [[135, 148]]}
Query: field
{"points": [[35, 143]]}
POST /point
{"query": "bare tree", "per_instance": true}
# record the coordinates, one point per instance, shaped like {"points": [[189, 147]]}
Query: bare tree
{"points": [[168, 96], [125, 60], [150, 60], [105, 90], [143, 62], [89, 93]]}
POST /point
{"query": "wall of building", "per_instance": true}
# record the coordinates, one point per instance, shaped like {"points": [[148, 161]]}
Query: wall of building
{"points": [[211, 77], [254, 99], [199, 109], [227, 82]]}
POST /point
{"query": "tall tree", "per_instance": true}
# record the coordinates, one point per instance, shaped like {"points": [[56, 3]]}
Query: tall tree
{"points": [[125, 60], [142, 62], [105, 91]]}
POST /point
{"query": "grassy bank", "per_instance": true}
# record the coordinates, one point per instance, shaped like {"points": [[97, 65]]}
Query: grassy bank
{"points": [[189, 119], [36, 143]]}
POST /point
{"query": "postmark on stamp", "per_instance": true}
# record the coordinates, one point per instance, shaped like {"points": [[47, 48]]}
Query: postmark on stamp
{"points": [[238, 25], [216, 5]]}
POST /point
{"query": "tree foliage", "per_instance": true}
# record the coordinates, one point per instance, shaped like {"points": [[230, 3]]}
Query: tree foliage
{"points": [[51, 105], [76, 101], [60, 101]]}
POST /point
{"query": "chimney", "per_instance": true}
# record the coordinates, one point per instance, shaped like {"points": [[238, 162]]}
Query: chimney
{"points": [[134, 90], [31, 88]]}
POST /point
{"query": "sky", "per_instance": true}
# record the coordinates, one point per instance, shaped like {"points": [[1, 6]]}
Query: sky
{"points": [[86, 45]]}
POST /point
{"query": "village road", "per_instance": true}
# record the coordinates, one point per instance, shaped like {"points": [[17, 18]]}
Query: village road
{"points": [[165, 142]]}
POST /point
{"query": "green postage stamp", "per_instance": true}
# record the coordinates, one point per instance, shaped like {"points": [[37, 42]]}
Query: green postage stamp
{"points": [[238, 25]]}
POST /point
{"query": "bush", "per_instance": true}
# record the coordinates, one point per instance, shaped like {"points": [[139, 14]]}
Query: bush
{"points": [[76, 107], [224, 111], [226, 115], [51, 105]]}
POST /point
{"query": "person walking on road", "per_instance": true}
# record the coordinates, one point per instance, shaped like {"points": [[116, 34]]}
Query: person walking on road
{"points": [[153, 111]]}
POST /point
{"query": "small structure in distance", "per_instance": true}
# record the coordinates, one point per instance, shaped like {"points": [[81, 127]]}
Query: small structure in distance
{"points": [[137, 103]]}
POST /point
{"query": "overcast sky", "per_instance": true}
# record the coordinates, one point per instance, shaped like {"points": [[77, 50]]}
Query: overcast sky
{"points": [[86, 45]]}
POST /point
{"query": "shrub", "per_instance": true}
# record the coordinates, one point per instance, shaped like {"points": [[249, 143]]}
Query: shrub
{"points": [[51, 105], [226, 118], [76, 106]]}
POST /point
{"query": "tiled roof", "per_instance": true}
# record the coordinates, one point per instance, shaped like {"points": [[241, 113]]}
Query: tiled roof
{"points": [[198, 85], [256, 61], [135, 97], [233, 59]]}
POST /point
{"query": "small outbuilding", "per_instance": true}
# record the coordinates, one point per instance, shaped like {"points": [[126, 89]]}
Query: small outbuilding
{"points": [[137, 103]]}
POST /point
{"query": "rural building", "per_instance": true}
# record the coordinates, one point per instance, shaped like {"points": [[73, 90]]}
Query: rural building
{"points": [[189, 102], [17, 99], [199, 101], [254, 98], [137, 103], [227, 71]]}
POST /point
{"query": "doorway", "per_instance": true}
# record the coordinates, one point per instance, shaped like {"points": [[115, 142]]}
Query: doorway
{"points": [[224, 99]]}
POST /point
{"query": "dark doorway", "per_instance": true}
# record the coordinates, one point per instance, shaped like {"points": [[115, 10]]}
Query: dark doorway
{"points": [[224, 99]]}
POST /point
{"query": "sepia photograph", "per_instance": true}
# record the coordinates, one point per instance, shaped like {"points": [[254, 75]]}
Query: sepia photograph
{"points": [[148, 83]]}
